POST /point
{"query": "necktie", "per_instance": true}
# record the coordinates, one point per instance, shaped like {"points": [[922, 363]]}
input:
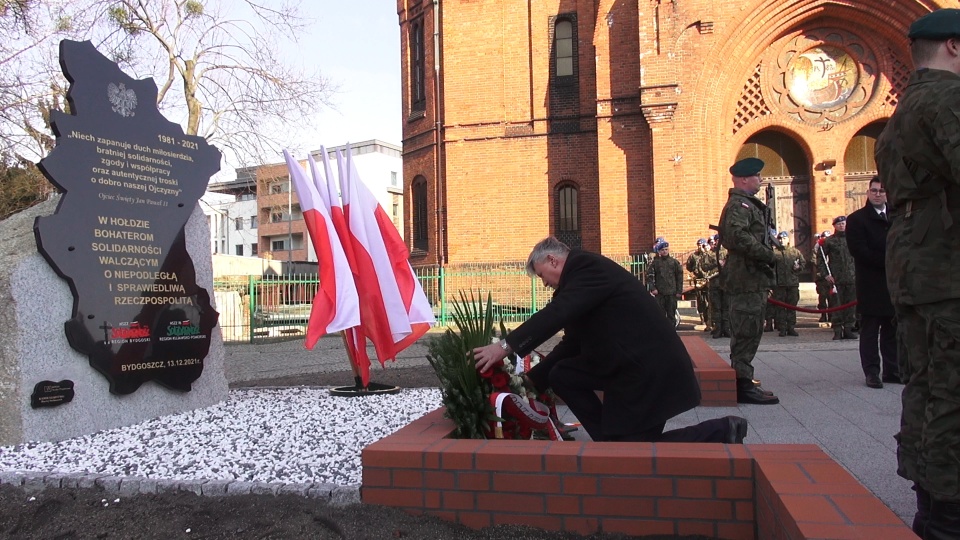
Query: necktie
{"points": [[883, 215]]}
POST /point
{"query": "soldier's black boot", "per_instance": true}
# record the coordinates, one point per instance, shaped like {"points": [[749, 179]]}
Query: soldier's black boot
{"points": [[748, 392], [783, 332], [725, 330], [760, 388], [823, 317], [944, 522], [922, 516], [838, 333], [849, 334]]}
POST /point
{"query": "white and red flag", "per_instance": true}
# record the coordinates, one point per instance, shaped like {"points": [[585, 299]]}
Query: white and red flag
{"points": [[394, 312], [355, 341], [336, 305]]}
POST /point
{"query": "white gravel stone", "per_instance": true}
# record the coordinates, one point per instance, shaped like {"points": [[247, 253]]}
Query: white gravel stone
{"points": [[297, 435]]}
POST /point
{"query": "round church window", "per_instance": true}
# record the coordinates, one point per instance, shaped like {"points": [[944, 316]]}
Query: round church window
{"points": [[821, 77]]}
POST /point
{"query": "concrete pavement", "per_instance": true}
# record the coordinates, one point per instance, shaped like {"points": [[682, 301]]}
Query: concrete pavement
{"points": [[824, 401]]}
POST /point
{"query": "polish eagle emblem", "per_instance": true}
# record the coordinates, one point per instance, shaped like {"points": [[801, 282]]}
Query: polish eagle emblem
{"points": [[123, 99]]}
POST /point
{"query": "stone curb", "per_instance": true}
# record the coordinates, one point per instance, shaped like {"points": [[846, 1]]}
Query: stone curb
{"points": [[34, 482]]}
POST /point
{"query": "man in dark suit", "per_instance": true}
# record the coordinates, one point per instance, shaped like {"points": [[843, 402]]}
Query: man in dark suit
{"points": [[867, 242], [616, 341]]}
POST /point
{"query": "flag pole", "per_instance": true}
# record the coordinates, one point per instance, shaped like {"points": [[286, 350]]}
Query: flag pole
{"points": [[358, 389], [353, 361]]}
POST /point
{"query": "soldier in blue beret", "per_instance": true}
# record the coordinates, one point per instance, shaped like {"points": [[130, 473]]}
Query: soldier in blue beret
{"points": [[665, 281], [918, 158]]}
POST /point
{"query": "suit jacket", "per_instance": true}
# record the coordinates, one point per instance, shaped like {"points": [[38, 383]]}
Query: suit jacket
{"points": [[867, 242], [613, 327]]}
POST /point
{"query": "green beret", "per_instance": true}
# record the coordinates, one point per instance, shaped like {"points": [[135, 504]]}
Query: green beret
{"points": [[750, 166], [938, 25]]}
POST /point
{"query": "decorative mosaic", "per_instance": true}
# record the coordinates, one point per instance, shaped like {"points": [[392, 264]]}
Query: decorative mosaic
{"points": [[822, 76]]}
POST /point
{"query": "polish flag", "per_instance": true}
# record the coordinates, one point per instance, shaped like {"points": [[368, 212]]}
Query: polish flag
{"points": [[336, 305], [356, 342], [394, 311]]}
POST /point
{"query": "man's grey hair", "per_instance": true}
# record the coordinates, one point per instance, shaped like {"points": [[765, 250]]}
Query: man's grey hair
{"points": [[547, 246]]}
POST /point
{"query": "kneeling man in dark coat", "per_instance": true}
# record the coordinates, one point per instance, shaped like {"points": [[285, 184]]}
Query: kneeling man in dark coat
{"points": [[616, 341]]}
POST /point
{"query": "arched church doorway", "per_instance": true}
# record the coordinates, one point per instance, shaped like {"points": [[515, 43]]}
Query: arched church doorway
{"points": [[787, 169], [859, 165]]}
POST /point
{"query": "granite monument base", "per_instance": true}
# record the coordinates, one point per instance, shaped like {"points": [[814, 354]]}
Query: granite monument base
{"points": [[34, 304]]}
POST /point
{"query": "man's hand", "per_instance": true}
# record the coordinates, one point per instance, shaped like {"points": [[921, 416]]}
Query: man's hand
{"points": [[653, 292], [830, 280], [488, 355]]}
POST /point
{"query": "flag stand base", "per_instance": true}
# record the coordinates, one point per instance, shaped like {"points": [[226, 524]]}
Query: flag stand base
{"points": [[357, 390]]}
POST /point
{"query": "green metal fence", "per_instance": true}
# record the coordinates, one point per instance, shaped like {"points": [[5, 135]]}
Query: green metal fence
{"points": [[262, 308]]}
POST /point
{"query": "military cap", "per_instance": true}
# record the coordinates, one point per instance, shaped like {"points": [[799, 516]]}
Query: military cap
{"points": [[713, 239], [839, 219], [701, 241], [938, 25], [747, 167], [663, 245], [783, 234]]}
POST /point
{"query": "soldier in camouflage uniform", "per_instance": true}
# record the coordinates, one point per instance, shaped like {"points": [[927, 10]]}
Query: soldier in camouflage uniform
{"points": [[789, 264], [695, 264], [823, 287], [748, 274], [665, 280], [918, 157], [838, 271], [715, 259]]}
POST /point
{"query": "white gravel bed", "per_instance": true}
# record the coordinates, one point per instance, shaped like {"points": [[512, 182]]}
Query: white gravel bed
{"points": [[297, 435]]}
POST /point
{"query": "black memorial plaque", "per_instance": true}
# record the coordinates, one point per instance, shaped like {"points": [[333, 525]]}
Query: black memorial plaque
{"points": [[51, 394], [131, 180]]}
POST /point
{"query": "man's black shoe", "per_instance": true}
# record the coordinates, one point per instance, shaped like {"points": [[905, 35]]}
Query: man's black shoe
{"points": [[725, 333], [892, 379], [823, 317], [792, 332], [736, 430], [783, 333], [873, 381], [849, 334]]}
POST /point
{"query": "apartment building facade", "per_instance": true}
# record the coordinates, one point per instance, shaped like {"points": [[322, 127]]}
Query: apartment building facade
{"points": [[266, 209]]}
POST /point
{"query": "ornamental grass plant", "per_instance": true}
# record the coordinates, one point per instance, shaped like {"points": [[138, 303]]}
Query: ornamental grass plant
{"points": [[463, 389], [467, 393]]}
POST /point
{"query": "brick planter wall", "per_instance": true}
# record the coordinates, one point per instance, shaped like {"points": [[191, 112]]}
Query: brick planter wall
{"points": [[726, 491], [718, 381]]}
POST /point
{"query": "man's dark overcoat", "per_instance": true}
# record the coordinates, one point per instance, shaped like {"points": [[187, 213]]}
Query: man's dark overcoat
{"points": [[867, 242], [615, 329]]}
